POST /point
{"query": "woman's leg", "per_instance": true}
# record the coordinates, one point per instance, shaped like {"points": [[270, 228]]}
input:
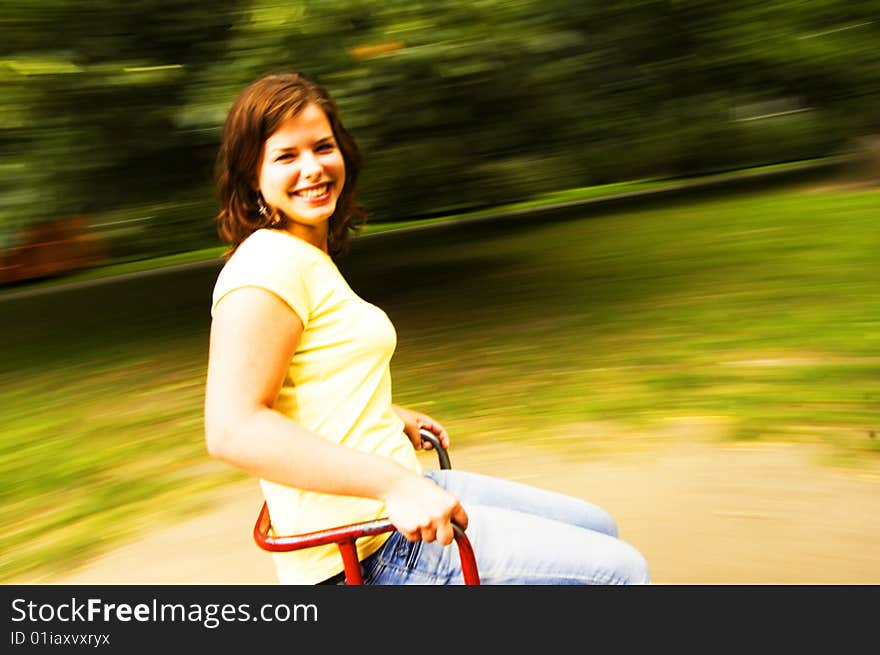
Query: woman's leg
{"points": [[476, 489], [551, 543]]}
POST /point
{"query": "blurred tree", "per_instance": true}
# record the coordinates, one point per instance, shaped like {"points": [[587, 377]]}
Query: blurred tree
{"points": [[115, 109], [90, 93]]}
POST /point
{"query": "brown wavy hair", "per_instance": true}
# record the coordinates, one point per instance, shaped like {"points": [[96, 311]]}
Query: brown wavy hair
{"points": [[256, 114]]}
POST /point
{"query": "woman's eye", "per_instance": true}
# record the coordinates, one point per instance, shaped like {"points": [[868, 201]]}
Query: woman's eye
{"points": [[326, 147], [284, 157]]}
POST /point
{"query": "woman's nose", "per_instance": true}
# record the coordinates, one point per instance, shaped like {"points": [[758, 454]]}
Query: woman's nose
{"points": [[310, 167]]}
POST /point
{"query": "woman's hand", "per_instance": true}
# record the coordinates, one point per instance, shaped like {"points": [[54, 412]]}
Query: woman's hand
{"points": [[422, 510], [414, 421]]}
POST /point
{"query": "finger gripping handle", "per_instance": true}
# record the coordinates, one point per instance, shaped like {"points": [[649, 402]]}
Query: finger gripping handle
{"points": [[434, 440]]}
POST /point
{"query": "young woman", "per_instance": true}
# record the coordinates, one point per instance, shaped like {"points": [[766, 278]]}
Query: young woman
{"points": [[298, 389]]}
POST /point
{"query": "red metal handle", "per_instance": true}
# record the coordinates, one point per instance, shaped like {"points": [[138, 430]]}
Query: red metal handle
{"points": [[468, 559], [345, 537]]}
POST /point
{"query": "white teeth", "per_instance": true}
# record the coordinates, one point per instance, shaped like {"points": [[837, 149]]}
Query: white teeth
{"points": [[314, 192]]}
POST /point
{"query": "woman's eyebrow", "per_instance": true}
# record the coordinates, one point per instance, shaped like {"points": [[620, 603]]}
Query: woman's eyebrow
{"points": [[324, 139], [283, 148]]}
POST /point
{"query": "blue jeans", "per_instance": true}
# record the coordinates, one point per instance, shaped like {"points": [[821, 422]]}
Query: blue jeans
{"points": [[521, 535]]}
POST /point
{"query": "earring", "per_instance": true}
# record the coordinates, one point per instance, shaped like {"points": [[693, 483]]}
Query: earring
{"points": [[262, 208], [265, 212]]}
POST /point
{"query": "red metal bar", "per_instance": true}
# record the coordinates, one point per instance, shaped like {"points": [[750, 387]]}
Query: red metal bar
{"points": [[348, 550], [468, 560], [345, 537], [281, 544]]}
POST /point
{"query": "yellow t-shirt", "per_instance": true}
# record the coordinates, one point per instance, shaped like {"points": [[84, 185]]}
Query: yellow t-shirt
{"points": [[338, 385]]}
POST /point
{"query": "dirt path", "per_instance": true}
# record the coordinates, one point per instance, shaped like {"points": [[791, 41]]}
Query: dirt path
{"points": [[701, 514]]}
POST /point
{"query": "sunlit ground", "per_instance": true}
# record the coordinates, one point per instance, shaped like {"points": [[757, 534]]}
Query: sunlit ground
{"points": [[758, 313]]}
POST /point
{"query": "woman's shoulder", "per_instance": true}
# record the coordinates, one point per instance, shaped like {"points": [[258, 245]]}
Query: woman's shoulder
{"points": [[267, 240], [272, 260], [275, 248]]}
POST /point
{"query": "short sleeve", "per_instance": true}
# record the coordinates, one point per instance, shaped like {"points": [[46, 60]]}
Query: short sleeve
{"points": [[267, 262]]}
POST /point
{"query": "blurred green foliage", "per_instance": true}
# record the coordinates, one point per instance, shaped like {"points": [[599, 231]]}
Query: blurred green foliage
{"points": [[751, 315], [113, 110]]}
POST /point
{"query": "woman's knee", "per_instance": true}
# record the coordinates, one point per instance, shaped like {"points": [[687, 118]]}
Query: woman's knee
{"points": [[601, 521], [631, 566]]}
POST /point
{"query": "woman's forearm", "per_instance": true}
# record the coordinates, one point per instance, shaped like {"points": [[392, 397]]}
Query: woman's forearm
{"points": [[268, 445]]}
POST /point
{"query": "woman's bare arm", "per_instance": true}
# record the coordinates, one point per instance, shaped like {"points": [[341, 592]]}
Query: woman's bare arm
{"points": [[253, 337]]}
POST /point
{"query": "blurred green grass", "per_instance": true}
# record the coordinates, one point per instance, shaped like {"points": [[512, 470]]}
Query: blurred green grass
{"points": [[747, 316], [758, 313]]}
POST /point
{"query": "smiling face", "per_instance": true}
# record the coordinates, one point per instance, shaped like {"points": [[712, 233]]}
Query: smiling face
{"points": [[302, 173]]}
